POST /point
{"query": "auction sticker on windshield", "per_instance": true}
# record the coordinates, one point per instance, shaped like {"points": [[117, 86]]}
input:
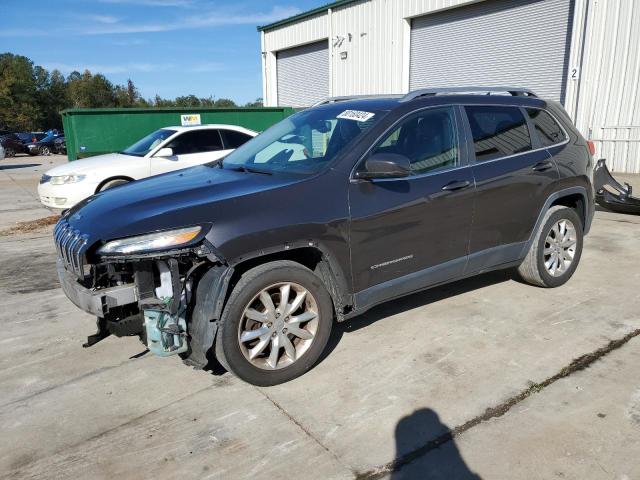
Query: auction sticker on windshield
{"points": [[356, 115]]}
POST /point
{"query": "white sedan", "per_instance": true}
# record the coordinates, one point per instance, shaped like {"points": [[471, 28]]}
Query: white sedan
{"points": [[165, 150]]}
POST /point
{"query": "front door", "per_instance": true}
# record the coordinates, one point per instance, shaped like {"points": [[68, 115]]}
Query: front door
{"points": [[407, 233], [189, 149], [513, 180]]}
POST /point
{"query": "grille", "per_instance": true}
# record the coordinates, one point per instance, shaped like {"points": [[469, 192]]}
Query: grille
{"points": [[71, 246]]}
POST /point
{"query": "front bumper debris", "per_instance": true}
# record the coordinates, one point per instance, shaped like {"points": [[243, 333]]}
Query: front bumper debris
{"points": [[612, 195], [95, 302]]}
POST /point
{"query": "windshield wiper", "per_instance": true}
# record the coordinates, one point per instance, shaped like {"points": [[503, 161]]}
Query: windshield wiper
{"points": [[245, 169]]}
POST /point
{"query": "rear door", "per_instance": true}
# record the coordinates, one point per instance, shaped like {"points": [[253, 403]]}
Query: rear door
{"points": [[190, 148], [409, 232], [513, 176]]}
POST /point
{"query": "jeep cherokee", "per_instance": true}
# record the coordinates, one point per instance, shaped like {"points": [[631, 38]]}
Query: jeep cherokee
{"points": [[353, 202]]}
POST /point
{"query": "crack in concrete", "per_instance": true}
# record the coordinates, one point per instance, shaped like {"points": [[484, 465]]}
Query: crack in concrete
{"points": [[304, 430], [576, 365]]}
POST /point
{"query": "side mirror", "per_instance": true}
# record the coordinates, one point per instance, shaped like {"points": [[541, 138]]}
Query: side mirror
{"points": [[385, 165], [164, 152]]}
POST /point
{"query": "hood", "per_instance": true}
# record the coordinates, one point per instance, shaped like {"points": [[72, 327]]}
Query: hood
{"points": [[110, 161], [187, 197]]}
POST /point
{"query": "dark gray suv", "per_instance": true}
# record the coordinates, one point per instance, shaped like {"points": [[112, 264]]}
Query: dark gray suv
{"points": [[340, 207]]}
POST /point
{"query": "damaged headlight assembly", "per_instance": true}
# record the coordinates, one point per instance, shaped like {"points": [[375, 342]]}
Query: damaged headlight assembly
{"points": [[150, 242]]}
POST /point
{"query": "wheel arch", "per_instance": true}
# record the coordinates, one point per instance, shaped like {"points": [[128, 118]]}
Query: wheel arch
{"points": [[312, 256], [110, 179], [572, 197]]}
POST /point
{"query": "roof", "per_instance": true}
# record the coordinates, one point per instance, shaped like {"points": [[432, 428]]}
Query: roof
{"points": [[182, 128], [306, 14]]}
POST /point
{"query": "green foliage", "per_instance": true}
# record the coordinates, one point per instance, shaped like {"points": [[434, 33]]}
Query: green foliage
{"points": [[31, 98]]}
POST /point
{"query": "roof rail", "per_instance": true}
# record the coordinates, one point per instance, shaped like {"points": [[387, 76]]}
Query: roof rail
{"points": [[354, 97], [425, 92]]}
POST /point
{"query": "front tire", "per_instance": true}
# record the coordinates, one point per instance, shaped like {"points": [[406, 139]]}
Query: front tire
{"points": [[45, 151], [112, 183], [556, 249], [275, 325]]}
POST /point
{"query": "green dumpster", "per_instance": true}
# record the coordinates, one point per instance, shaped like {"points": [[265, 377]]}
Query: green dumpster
{"points": [[94, 131]]}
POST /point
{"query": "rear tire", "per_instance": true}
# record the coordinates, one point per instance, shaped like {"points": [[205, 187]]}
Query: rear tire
{"points": [[9, 152], [556, 249], [297, 343]]}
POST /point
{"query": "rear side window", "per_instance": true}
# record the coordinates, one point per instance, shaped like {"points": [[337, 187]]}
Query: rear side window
{"points": [[197, 141], [498, 131], [233, 138], [427, 138], [548, 131]]}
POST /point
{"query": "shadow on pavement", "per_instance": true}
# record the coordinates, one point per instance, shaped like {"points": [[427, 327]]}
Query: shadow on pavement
{"points": [[418, 434]]}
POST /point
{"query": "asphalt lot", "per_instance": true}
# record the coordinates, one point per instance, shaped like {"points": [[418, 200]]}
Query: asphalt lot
{"points": [[486, 377]]}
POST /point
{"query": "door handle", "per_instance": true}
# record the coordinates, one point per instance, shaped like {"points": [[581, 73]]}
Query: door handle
{"points": [[542, 166], [456, 185]]}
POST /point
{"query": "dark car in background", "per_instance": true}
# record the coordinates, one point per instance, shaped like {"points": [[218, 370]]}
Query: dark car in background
{"points": [[12, 144], [252, 258], [28, 137], [45, 146], [60, 145]]}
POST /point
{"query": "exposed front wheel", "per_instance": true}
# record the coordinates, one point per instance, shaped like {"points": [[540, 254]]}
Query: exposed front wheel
{"points": [[45, 151], [275, 325], [556, 249]]}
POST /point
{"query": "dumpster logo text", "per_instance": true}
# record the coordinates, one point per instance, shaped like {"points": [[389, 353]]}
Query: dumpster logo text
{"points": [[190, 119]]}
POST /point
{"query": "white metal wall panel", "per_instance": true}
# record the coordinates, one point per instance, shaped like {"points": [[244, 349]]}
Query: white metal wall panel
{"points": [[608, 107], [303, 74], [303, 31], [497, 42]]}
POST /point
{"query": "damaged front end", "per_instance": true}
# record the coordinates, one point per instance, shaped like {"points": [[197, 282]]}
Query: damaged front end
{"points": [[611, 194], [170, 296]]}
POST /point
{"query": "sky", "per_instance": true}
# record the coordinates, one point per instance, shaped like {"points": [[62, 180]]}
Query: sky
{"points": [[167, 47]]}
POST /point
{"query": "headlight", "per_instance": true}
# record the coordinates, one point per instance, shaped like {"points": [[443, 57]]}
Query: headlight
{"points": [[152, 241], [63, 179]]}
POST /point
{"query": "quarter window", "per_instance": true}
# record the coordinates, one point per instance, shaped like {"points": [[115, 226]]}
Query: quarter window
{"points": [[498, 131], [427, 138], [233, 138], [548, 131]]}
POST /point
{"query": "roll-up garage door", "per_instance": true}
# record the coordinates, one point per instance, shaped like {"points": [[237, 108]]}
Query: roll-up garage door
{"points": [[496, 42], [303, 74]]}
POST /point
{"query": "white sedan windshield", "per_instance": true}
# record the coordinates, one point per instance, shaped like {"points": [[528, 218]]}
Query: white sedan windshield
{"points": [[148, 143]]}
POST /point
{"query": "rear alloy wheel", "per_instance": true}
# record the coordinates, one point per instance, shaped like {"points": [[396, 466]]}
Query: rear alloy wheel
{"points": [[556, 249], [9, 152], [45, 151], [275, 325]]}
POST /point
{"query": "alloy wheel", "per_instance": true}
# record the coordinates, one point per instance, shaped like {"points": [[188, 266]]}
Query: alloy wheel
{"points": [[278, 326], [560, 247]]}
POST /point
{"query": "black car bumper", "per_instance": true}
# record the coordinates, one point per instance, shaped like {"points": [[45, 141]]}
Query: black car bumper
{"points": [[96, 302]]}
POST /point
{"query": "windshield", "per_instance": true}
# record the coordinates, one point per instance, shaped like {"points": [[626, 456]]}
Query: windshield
{"points": [[304, 143], [148, 143]]}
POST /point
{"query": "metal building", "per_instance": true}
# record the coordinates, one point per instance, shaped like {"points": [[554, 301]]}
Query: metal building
{"points": [[584, 53]]}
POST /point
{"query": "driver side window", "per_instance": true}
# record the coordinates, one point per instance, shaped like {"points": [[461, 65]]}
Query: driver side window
{"points": [[428, 139]]}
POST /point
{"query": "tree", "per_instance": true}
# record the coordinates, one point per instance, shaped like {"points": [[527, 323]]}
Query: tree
{"points": [[18, 99], [255, 104]]}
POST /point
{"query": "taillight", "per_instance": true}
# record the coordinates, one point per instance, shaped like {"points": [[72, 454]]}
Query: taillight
{"points": [[592, 147]]}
